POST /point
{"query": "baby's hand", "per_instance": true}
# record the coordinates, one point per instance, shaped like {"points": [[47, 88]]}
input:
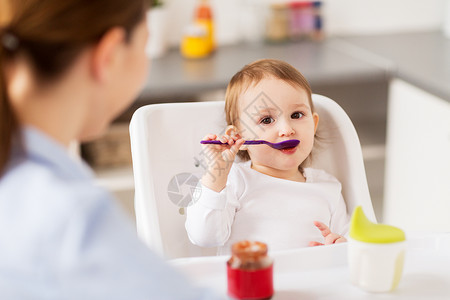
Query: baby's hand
{"points": [[219, 159], [227, 151], [330, 238]]}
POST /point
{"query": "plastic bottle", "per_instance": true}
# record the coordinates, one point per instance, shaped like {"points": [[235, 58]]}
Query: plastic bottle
{"points": [[301, 20], [195, 43], [204, 17], [198, 40], [318, 26], [277, 24]]}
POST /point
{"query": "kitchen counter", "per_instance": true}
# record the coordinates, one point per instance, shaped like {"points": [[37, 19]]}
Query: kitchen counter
{"points": [[422, 59], [322, 63]]}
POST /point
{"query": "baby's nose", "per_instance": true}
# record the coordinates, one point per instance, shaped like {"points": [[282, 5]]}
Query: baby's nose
{"points": [[286, 129]]}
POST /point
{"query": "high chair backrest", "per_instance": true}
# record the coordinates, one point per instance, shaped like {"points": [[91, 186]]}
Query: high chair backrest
{"points": [[168, 162]]}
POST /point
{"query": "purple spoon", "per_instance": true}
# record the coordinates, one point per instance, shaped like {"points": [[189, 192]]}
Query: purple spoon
{"points": [[281, 145]]}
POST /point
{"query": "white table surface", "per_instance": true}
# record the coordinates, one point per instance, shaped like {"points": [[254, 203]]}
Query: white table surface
{"points": [[322, 272]]}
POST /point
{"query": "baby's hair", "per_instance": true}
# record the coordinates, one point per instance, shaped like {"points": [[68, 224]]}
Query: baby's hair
{"points": [[250, 75]]}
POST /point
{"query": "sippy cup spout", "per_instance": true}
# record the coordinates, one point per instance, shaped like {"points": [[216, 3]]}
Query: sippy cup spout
{"points": [[362, 229]]}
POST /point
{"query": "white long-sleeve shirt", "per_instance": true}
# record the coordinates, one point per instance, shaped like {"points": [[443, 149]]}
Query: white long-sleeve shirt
{"points": [[279, 212]]}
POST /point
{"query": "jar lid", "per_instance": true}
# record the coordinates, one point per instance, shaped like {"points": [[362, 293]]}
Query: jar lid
{"points": [[249, 249], [361, 229]]}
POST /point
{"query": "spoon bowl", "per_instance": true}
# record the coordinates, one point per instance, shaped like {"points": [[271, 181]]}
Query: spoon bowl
{"points": [[281, 145]]}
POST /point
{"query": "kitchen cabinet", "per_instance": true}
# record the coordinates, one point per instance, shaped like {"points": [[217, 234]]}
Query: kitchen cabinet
{"points": [[417, 178]]}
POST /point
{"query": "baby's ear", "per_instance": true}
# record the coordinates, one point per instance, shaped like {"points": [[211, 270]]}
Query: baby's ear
{"points": [[231, 130]]}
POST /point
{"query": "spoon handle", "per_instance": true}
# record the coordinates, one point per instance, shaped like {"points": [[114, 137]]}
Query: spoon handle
{"points": [[252, 142], [212, 142]]}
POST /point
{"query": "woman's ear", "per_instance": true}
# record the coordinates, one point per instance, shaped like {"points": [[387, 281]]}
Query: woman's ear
{"points": [[105, 53]]}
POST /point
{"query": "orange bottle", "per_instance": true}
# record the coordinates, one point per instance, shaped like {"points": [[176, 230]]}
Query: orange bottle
{"points": [[204, 17]]}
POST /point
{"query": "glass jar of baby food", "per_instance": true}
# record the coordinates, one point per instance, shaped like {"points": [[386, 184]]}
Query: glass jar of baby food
{"points": [[250, 271]]}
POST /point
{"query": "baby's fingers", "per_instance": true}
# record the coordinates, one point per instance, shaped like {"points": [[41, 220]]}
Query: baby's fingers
{"points": [[210, 137], [314, 244], [324, 229], [228, 155], [238, 143], [341, 239], [331, 238], [226, 139], [213, 147]]}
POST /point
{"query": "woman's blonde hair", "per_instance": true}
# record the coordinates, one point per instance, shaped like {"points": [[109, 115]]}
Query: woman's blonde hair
{"points": [[251, 75]]}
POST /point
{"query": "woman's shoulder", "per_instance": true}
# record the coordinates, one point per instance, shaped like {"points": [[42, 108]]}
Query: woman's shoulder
{"points": [[318, 175]]}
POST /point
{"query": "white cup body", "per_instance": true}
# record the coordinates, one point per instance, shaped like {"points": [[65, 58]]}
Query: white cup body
{"points": [[376, 267]]}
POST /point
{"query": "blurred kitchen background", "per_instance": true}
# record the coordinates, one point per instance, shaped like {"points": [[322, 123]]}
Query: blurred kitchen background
{"points": [[386, 62]]}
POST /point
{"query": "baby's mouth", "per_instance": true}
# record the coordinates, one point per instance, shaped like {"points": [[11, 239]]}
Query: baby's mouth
{"points": [[288, 150]]}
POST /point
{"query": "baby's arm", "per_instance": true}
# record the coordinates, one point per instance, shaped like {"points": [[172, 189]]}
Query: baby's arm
{"points": [[338, 227], [330, 237], [210, 218]]}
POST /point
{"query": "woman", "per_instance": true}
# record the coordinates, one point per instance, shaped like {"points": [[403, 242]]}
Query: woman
{"points": [[67, 69]]}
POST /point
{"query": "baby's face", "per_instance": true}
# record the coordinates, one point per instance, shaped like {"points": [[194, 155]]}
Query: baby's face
{"points": [[276, 111]]}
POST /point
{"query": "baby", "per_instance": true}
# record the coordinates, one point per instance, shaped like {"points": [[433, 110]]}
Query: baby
{"points": [[270, 195]]}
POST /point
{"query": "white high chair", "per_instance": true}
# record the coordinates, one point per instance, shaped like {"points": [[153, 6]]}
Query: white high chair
{"points": [[167, 164]]}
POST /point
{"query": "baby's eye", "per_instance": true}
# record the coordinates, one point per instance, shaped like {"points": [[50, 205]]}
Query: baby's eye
{"points": [[266, 120], [297, 115]]}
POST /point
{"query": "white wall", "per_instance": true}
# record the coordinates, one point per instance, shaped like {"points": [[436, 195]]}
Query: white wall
{"points": [[229, 18], [383, 16], [235, 19]]}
